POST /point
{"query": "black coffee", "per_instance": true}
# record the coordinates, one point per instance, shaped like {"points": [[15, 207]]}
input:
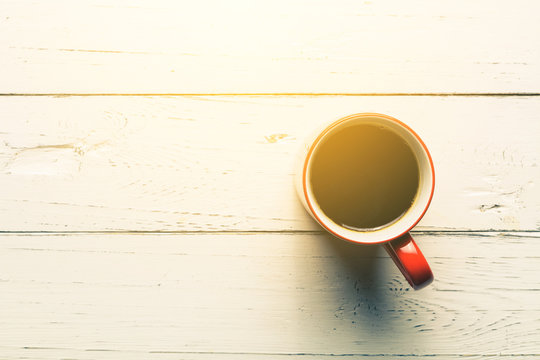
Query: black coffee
{"points": [[364, 176]]}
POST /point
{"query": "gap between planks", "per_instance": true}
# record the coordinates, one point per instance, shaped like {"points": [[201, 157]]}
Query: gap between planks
{"points": [[472, 94], [302, 354], [484, 233]]}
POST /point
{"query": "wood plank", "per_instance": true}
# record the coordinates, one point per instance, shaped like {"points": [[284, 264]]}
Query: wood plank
{"points": [[226, 163], [282, 46], [198, 296]]}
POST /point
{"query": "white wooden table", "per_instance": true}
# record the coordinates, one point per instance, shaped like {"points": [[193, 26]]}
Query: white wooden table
{"points": [[146, 159]]}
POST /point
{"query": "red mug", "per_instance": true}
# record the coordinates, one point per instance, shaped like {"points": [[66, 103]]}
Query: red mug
{"points": [[394, 236]]}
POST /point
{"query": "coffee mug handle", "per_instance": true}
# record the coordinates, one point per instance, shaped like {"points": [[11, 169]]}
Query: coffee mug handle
{"points": [[410, 261]]}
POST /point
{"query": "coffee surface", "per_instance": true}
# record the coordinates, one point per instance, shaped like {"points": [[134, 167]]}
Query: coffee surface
{"points": [[364, 176]]}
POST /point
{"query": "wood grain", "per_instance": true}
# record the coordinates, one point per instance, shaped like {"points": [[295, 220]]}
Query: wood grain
{"points": [[341, 46], [226, 163], [198, 296]]}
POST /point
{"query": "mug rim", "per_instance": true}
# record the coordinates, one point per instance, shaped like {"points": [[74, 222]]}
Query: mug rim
{"points": [[334, 125]]}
